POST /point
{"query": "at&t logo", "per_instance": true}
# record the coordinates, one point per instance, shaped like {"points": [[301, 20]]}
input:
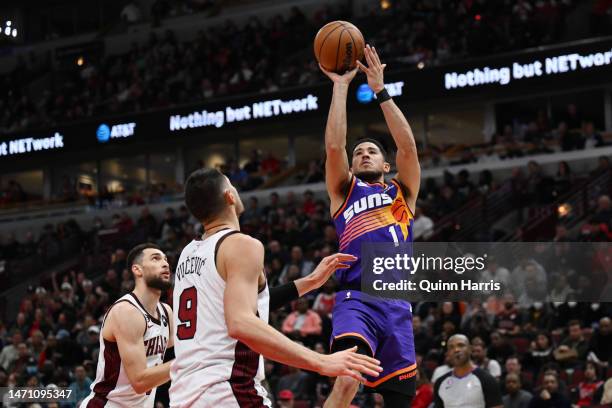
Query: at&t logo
{"points": [[366, 95], [105, 132]]}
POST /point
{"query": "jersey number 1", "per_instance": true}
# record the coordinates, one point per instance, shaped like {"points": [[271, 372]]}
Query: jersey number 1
{"points": [[188, 314]]}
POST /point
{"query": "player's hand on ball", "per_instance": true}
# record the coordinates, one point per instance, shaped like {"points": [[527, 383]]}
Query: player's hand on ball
{"points": [[351, 364], [345, 78], [374, 70]]}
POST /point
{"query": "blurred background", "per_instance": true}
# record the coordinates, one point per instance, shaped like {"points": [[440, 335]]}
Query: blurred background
{"points": [[107, 106]]}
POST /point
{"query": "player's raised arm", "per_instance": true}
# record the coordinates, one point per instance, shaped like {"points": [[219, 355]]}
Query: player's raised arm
{"points": [[240, 305], [337, 175], [127, 326], [407, 160]]}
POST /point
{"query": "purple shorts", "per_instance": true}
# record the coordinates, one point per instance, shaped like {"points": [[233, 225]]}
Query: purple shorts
{"points": [[384, 325]]}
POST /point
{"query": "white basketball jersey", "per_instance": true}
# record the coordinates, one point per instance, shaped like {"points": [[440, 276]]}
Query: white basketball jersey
{"points": [[112, 387], [205, 353]]}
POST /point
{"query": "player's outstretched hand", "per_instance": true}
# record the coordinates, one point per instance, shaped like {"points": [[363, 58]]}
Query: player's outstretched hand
{"points": [[323, 271], [374, 70], [350, 363], [345, 78]]}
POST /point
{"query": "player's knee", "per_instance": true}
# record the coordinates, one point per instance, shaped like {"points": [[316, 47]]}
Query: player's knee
{"points": [[346, 385]]}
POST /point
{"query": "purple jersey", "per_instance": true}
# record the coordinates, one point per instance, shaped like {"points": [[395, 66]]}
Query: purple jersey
{"points": [[370, 213]]}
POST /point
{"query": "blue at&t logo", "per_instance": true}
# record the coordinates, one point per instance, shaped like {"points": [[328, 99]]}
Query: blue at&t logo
{"points": [[103, 133], [364, 93]]}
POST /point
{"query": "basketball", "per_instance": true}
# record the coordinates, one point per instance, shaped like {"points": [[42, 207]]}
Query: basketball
{"points": [[399, 211], [338, 45]]}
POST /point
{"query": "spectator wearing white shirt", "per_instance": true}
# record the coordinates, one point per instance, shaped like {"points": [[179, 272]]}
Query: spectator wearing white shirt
{"points": [[495, 273], [479, 357], [423, 225]]}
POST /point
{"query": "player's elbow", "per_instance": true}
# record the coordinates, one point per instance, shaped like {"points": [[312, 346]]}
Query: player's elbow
{"points": [[139, 387], [334, 149], [236, 328]]}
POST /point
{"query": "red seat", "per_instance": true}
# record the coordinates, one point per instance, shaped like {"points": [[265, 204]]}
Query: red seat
{"points": [[301, 404], [577, 376], [521, 344]]}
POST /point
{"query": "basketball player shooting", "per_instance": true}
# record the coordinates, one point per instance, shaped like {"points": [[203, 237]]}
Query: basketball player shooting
{"points": [[134, 337], [366, 209], [221, 305]]}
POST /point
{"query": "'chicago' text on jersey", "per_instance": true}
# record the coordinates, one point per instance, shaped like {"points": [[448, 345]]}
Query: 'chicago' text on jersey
{"points": [[155, 345]]}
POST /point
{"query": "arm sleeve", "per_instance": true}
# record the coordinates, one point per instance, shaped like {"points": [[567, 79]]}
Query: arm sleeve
{"points": [[490, 389], [438, 403], [169, 354], [281, 295]]}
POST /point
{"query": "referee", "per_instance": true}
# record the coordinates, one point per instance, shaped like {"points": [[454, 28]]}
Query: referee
{"points": [[466, 386]]}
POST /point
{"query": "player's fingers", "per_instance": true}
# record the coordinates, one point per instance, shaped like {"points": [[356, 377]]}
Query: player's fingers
{"points": [[366, 363], [353, 374], [342, 266], [368, 57], [384, 66], [375, 56], [363, 369], [346, 257], [368, 359], [363, 68]]}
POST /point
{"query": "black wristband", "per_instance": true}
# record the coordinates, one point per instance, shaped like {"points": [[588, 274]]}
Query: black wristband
{"points": [[281, 295], [383, 96]]}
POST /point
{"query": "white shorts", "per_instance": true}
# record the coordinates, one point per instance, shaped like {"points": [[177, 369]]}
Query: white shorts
{"points": [[221, 395]]}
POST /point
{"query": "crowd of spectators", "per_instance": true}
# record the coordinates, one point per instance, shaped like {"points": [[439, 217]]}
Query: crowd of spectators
{"points": [[53, 339], [265, 56]]}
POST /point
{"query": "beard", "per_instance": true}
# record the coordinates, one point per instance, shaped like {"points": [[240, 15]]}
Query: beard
{"points": [[156, 282], [370, 176]]}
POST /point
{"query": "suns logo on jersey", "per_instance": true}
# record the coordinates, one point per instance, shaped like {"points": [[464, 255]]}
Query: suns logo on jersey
{"points": [[366, 203]]}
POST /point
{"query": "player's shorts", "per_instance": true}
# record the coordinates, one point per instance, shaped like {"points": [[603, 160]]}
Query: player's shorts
{"points": [[385, 326], [222, 395]]}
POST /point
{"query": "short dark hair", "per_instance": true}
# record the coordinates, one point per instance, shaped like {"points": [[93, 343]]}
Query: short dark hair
{"points": [[378, 144], [135, 254], [574, 323], [204, 194]]}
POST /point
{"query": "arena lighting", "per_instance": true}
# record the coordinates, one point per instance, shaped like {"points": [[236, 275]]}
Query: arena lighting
{"points": [[385, 4], [564, 210], [421, 65], [80, 61], [9, 30]]}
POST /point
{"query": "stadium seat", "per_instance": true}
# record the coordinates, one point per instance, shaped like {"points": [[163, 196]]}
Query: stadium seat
{"points": [[521, 344]]}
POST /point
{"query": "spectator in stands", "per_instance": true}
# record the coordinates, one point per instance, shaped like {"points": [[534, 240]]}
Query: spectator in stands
{"points": [[270, 166], [603, 213], [516, 397], [295, 381], [424, 390], [324, 302], [573, 349], [586, 389], [513, 366], [422, 226], [550, 395], [10, 352], [495, 272], [80, 385], [303, 324], [600, 346], [590, 136], [499, 349], [479, 357], [285, 399], [297, 258], [314, 173]]}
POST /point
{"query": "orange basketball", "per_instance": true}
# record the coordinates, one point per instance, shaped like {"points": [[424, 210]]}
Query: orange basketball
{"points": [[399, 211], [338, 45]]}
